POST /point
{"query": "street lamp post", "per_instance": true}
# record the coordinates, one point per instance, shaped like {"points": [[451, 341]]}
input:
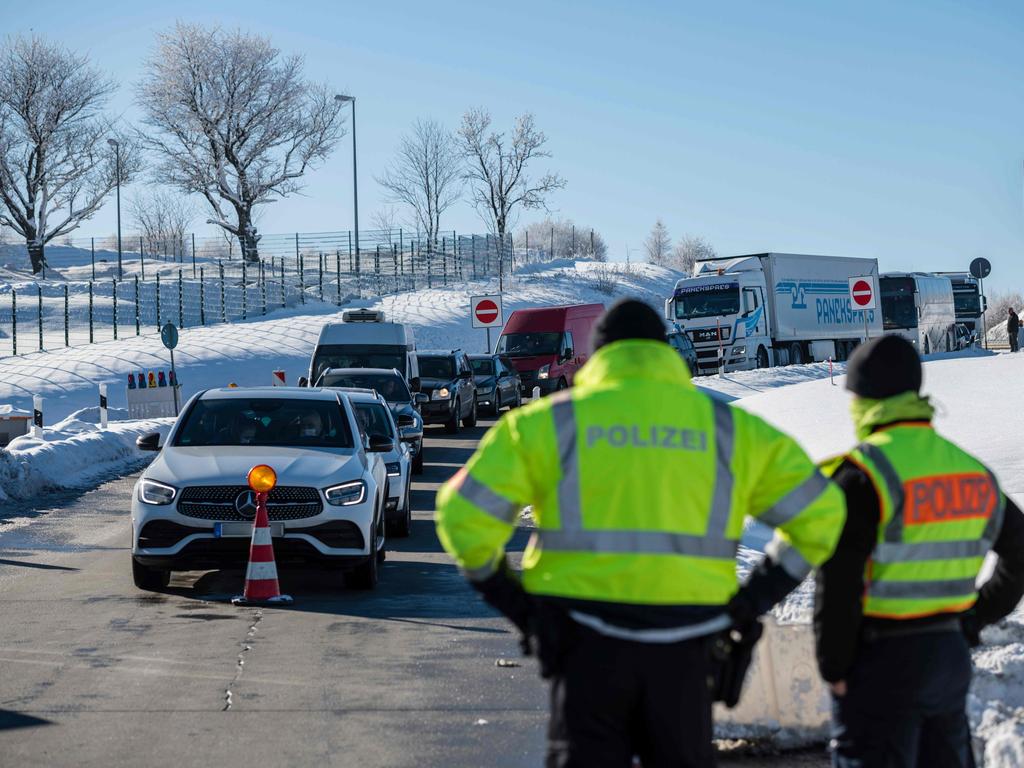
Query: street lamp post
{"points": [[341, 98], [117, 181]]}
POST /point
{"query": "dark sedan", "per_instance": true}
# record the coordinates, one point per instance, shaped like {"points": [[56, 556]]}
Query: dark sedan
{"points": [[497, 383]]}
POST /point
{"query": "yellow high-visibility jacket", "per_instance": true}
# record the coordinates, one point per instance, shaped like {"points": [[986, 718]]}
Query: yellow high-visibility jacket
{"points": [[639, 485]]}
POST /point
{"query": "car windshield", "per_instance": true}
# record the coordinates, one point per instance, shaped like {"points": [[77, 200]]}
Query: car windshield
{"points": [[529, 344], [390, 386], [358, 356], [898, 308], [707, 301], [373, 419], [281, 422], [483, 366], [437, 368]]}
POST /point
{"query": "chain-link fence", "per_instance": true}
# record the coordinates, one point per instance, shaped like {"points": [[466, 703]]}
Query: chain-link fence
{"points": [[88, 296]]}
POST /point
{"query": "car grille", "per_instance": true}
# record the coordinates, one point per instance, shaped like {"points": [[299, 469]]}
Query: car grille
{"points": [[217, 502]]}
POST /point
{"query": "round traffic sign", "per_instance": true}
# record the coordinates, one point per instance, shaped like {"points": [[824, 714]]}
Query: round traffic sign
{"points": [[486, 311], [980, 268], [169, 335], [861, 293]]}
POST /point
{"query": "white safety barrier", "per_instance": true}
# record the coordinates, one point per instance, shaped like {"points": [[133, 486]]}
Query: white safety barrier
{"points": [[536, 393], [37, 417], [103, 406], [783, 689]]}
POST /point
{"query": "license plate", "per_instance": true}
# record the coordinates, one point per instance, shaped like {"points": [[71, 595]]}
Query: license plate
{"points": [[243, 530]]}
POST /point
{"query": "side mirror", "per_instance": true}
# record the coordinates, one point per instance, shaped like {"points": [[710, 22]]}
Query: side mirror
{"points": [[380, 444], [567, 354], [414, 384], [419, 398], [303, 381], [148, 442]]}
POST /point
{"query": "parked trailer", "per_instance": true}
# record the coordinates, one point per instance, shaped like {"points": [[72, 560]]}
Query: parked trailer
{"points": [[919, 307], [770, 309]]}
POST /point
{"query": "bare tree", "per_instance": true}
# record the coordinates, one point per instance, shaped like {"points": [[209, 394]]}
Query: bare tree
{"points": [[385, 219], [426, 176], [658, 244], [162, 219], [56, 168], [688, 251], [498, 169], [234, 121], [549, 239]]}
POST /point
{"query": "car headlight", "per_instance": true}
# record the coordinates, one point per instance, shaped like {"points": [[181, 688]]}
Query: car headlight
{"points": [[394, 468], [152, 492], [346, 494], [441, 394], [542, 372]]}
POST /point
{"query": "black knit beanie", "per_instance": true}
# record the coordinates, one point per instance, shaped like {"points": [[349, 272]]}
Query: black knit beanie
{"points": [[884, 367], [627, 319]]}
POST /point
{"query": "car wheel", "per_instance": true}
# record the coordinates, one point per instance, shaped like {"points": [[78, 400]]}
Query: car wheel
{"points": [[762, 357], [404, 526], [470, 421], [150, 579], [452, 425], [519, 399], [417, 461], [367, 574], [562, 384], [927, 346]]}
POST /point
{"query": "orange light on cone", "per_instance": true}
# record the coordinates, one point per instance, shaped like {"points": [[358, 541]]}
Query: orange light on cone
{"points": [[262, 478]]}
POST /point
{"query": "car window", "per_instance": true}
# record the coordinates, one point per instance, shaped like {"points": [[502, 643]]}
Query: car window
{"points": [[437, 367], [483, 366], [389, 385], [372, 419], [358, 356], [529, 344], [265, 422], [567, 343]]}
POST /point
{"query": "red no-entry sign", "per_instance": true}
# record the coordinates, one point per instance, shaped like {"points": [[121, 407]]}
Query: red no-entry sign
{"points": [[862, 292], [486, 311]]}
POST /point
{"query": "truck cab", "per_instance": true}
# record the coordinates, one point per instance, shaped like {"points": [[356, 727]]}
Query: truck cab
{"points": [[969, 306]]}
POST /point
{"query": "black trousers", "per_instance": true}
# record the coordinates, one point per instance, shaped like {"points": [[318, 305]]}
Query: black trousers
{"points": [[613, 699], [905, 705], [1014, 347]]}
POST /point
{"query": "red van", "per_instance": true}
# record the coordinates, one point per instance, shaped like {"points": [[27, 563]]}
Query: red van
{"points": [[548, 345]]}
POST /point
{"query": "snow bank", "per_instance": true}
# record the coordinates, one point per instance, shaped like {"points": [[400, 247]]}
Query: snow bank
{"points": [[75, 453]]}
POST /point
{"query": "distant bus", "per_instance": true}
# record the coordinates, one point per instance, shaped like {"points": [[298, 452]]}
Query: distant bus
{"points": [[920, 308], [970, 305]]}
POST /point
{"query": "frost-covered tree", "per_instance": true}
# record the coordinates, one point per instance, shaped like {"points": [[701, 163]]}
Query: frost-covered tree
{"points": [[234, 121], [162, 219], [658, 244], [688, 251], [497, 169], [426, 175], [56, 167], [562, 239]]}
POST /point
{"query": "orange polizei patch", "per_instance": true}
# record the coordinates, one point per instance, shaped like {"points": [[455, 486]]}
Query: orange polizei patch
{"points": [[948, 498]]}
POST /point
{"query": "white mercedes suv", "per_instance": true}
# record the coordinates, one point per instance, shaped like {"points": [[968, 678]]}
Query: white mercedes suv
{"points": [[192, 509]]}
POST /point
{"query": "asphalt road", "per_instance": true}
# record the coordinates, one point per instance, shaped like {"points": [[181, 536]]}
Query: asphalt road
{"points": [[94, 672]]}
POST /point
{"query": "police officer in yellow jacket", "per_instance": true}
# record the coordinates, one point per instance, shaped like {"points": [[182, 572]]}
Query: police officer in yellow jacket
{"points": [[896, 605], [639, 485]]}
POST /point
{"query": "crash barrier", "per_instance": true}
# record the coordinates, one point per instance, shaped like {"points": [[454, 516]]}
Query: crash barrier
{"points": [[202, 282], [783, 689]]}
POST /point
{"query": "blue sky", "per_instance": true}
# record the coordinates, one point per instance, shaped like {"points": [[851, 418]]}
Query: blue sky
{"points": [[881, 129]]}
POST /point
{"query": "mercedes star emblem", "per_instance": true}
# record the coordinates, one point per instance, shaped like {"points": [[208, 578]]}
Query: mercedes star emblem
{"points": [[245, 504]]}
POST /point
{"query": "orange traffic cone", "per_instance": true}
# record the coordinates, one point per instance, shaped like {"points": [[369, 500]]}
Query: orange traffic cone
{"points": [[261, 585]]}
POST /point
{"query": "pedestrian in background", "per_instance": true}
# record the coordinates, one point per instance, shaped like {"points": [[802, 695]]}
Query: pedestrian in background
{"points": [[640, 484], [1012, 329], [896, 606]]}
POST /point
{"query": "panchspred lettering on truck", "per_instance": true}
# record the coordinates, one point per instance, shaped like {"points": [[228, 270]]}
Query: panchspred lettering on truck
{"points": [[829, 299]]}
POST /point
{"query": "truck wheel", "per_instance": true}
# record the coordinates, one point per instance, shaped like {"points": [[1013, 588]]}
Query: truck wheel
{"points": [[762, 357], [452, 425], [796, 354], [149, 579]]}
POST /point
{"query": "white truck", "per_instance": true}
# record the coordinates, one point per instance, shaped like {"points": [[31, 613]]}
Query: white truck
{"points": [[920, 307], [364, 339], [772, 309]]}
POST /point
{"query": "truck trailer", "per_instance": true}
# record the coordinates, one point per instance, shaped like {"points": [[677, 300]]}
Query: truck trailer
{"points": [[769, 309]]}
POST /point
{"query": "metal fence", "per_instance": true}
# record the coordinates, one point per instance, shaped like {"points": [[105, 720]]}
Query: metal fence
{"points": [[102, 298]]}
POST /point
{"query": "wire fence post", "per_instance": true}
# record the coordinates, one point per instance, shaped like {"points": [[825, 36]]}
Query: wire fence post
{"points": [[158, 300], [430, 276], [181, 300], [284, 297], [337, 273], [351, 264], [245, 292], [320, 279], [39, 290], [67, 332], [263, 287], [223, 309], [202, 296], [90, 313], [142, 258], [302, 283], [113, 288], [193, 255], [138, 320], [14, 321], [92, 255], [444, 259], [472, 248]]}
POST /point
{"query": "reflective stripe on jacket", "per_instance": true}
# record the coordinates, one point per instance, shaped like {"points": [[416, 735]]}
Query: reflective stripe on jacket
{"points": [[639, 485], [941, 512]]}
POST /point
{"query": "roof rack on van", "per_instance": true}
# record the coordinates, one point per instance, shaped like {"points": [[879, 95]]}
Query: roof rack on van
{"points": [[362, 315]]}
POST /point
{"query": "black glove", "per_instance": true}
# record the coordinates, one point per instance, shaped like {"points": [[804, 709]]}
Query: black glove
{"points": [[971, 628], [731, 654], [503, 592]]}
